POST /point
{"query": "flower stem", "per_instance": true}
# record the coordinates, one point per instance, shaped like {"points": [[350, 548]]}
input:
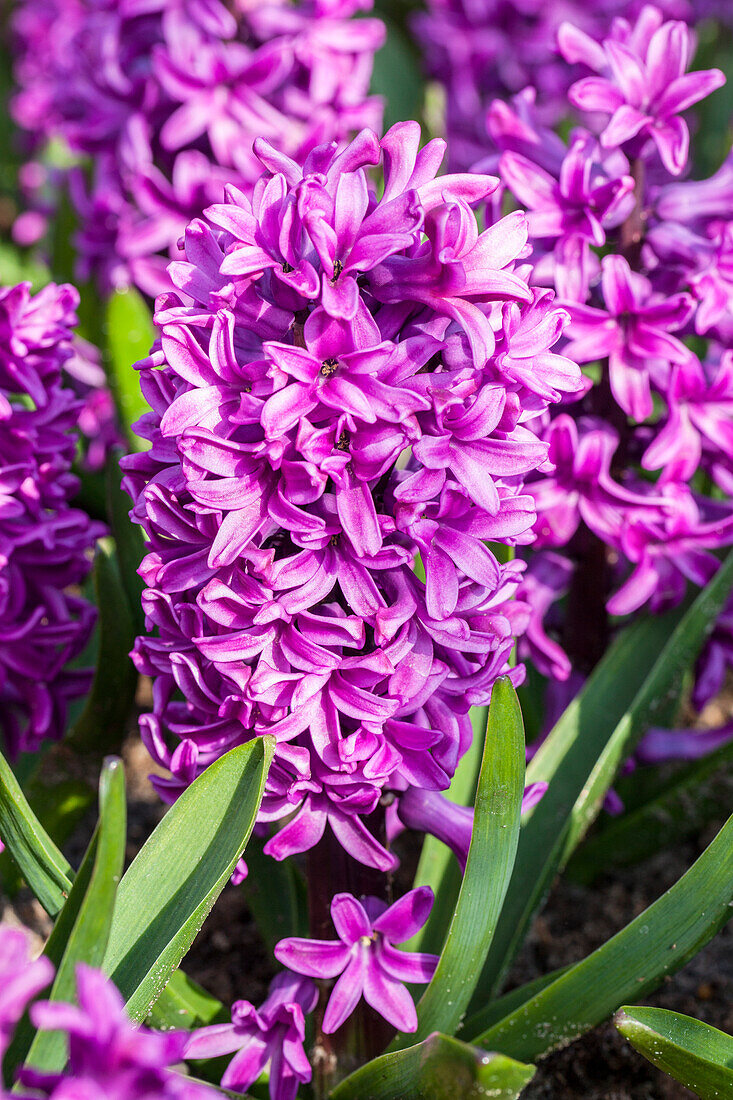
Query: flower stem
{"points": [[331, 871]]}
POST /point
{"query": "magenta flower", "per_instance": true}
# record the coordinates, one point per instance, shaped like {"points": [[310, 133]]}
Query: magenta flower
{"points": [[364, 956], [108, 1055], [272, 1034], [658, 746], [44, 543], [167, 99], [582, 201], [643, 83], [634, 331], [581, 488], [669, 549], [21, 979], [546, 581], [700, 419]]}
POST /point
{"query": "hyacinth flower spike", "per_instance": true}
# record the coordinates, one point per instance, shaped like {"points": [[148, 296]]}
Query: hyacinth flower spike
{"points": [[365, 958], [642, 83]]}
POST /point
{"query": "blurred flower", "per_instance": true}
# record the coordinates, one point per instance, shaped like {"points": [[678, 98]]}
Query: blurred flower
{"points": [[45, 544]]}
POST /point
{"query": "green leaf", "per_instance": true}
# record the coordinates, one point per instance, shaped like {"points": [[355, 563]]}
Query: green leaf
{"points": [[59, 808], [438, 867], [504, 1006], [173, 882], [185, 1004], [498, 811], [130, 335], [102, 723], [439, 1068], [128, 536], [629, 965], [585, 749], [687, 802], [82, 928], [47, 872], [698, 1056]]}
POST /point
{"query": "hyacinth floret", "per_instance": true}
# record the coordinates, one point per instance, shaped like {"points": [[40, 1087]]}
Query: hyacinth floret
{"points": [[338, 395], [272, 1034], [365, 959], [45, 543]]}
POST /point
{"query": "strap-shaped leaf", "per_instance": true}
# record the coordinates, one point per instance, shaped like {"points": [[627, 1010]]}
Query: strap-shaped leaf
{"points": [[497, 1010], [42, 865], [101, 725], [439, 1068], [82, 928], [583, 752], [632, 963], [687, 802], [171, 885], [698, 1056], [437, 867], [497, 815], [130, 333]]}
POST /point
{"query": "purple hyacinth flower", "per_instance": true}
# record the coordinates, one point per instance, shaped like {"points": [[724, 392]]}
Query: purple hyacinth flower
{"points": [[273, 1033], [167, 98], [658, 746], [634, 331], [364, 956], [643, 82], [699, 420], [21, 979], [339, 387], [44, 542], [108, 1055]]}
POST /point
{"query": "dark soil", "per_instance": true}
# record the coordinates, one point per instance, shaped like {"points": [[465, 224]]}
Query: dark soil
{"points": [[229, 960]]}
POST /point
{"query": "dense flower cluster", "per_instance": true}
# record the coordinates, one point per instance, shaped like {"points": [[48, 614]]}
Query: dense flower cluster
{"points": [[108, 1055], [44, 543], [166, 97], [642, 465], [338, 398], [481, 50]]}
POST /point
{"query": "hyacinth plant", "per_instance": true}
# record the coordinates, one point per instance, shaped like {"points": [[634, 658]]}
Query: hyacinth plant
{"points": [[639, 497], [360, 478]]}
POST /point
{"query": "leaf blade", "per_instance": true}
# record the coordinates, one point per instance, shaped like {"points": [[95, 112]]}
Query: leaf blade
{"points": [[581, 754], [115, 677], [633, 962], [698, 1056], [45, 869], [497, 816], [129, 336], [438, 1068], [153, 929], [81, 930]]}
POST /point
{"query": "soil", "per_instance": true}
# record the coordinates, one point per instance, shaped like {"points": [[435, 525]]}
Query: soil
{"points": [[228, 959]]}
